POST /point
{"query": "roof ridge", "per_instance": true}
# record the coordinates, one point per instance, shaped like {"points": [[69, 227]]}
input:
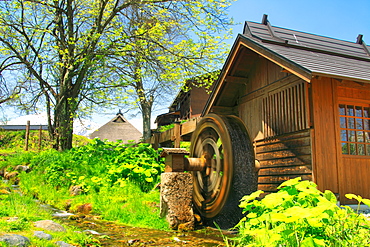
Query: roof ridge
{"points": [[248, 31]]}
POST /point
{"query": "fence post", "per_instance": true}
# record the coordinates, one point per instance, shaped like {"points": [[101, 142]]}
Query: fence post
{"points": [[27, 135], [40, 137]]}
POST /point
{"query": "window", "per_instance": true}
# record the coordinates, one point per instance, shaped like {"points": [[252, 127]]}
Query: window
{"points": [[355, 129], [285, 111]]}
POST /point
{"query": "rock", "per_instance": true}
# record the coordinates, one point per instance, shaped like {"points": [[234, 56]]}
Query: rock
{"points": [[10, 175], [85, 208], [132, 241], [63, 244], [4, 192], [62, 214], [49, 225], [184, 227], [42, 235], [14, 240], [22, 168], [75, 190], [91, 232], [12, 219]]}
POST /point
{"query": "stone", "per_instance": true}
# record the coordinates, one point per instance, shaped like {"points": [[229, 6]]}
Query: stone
{"points": [[12, 219], [133, 241], [91, 232], [15, 240], [85, 208], [49, 225], [75, 190], [22, 168], [10, 175], [42, 235], [4, 192], [176, 200], [63, 244], [62, 214]]}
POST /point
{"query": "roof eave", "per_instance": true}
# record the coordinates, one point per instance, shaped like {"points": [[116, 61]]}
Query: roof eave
{"points": [[340, 77], [276, 58], [272, 56]]}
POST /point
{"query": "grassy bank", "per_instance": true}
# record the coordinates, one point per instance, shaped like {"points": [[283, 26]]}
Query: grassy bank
{"points": [[116, 181], [18, 214]]}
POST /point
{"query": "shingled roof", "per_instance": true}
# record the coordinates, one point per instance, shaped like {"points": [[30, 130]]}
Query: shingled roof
{"points": [[303, 54], [311, 54]]}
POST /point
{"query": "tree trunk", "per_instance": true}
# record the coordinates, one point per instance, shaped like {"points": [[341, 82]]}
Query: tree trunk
{"points": [[63, 122], [146, 114]]}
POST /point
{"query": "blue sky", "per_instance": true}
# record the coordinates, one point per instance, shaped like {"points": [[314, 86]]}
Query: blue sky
{"points": [[341, 19]]}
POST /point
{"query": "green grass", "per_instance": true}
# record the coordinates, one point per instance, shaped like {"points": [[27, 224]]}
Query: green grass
{"points": [[127, 205], [17, 214]]}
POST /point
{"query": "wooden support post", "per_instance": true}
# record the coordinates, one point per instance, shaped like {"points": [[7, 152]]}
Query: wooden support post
{"points": [[156, 136], [40, 137], [177, 135], [27, 135]]}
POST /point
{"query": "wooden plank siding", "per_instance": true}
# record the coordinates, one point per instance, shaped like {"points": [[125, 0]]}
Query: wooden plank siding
{"points": [[324, 134], [333, 170], [274, 110], [354, 170], [286, 157]]}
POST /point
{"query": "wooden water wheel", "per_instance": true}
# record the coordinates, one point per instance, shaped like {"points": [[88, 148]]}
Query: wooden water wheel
{"points": [[229, 173]]}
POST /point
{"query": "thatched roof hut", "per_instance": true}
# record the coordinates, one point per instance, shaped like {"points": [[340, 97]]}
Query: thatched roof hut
{"points": [[116, 129]]}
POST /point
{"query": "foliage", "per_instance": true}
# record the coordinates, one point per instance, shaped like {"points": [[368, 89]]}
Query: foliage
{"points": [[100, 164], [18, 219], [118, 180], [67, 54], [300, 215], [164, 128], [14, 141]]}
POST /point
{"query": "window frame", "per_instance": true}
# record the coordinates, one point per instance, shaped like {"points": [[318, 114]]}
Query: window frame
{"points": [[350, 127]]}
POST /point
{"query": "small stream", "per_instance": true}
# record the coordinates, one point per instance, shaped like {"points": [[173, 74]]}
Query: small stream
{"points": [[114, 234]]}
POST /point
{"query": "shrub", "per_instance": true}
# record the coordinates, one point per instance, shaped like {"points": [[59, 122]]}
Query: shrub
{"points": [[300, 215]]}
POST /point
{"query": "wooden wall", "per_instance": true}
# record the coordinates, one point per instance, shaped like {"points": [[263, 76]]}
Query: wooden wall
{"points": [[353, 170], [325, 168], [340, 173], [274, 110]]}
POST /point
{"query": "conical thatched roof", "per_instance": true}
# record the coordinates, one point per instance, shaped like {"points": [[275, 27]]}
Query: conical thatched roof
{"points": [[118, 128]]}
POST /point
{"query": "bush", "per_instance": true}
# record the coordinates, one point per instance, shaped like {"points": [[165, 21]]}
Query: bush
{"points": [[117, 179], [100, 164], [301, 215]]}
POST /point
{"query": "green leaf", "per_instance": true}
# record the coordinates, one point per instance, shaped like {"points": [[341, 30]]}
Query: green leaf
{"points": [[353, 196], [290, 182]]}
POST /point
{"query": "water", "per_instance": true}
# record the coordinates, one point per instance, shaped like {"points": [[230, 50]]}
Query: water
{"points": [[114, 234]]}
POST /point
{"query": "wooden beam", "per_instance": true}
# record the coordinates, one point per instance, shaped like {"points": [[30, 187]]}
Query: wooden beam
{"points": [[236, 79], [277, 59], [224, 110]]}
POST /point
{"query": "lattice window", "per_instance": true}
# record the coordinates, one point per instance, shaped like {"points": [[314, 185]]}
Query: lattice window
{"points": [[355, 128], [285, 111]]}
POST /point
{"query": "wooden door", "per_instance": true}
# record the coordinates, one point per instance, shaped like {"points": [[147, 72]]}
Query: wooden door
{"points": [[354, 147]]}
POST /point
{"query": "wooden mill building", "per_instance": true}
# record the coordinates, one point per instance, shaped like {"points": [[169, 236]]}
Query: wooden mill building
{"points": [[305, 100]]}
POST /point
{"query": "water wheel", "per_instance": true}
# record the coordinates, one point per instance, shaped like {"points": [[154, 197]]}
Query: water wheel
{"points": [[229, 173]]}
